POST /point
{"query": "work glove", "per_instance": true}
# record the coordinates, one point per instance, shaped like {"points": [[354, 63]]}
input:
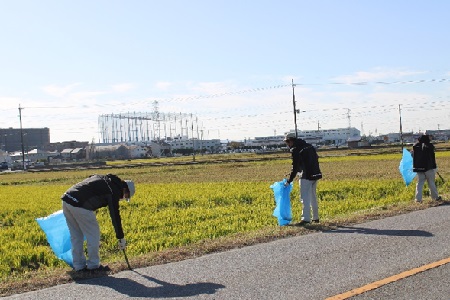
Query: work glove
{"points": [[122, 244]]}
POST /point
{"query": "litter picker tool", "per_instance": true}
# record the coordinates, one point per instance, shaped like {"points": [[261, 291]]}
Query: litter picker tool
{"points": [[126, 259], [440, 177]]}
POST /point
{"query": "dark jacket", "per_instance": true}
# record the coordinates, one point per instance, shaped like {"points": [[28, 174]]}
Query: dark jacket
{"points": [[305, 160], [424, 158], [98, 191]]}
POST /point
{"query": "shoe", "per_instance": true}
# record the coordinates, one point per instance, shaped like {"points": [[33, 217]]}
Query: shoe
{"points": [[100, 269], [418, 201], [84, 270], [315, 221], [439, 198], [303, 222]]}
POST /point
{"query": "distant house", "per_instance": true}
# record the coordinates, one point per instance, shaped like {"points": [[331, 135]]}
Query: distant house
{"points": [[33, 155], [357, 142], [124, 151], [66, 153], [78, 153], [75, 153], [138, 151]]}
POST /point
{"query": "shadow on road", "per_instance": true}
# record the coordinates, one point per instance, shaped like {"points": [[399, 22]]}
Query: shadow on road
{"points": [[388, 232], [132, 288]]}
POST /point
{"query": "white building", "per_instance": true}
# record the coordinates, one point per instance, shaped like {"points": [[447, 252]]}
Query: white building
{"points": [[336, 137], [127, 150], [265, 141], [182, 142], [33, 155]]}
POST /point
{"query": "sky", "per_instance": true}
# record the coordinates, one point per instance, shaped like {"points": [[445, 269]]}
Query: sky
{"points": [[233, 66]]}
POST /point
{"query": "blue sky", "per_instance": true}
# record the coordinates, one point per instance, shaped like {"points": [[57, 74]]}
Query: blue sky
{"points": [[230, 63]]}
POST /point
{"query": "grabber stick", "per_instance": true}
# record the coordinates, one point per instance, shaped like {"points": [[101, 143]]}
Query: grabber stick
{"points": [[126, 259], [440, 177]]}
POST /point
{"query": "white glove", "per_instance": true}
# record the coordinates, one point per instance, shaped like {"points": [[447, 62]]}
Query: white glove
{"points": [[122, 244]]}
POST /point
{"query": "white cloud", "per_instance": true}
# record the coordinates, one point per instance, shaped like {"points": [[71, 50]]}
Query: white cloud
{"points": [[59, 91], [123, 87], [163, 85], [212, 88], [378, 74]]}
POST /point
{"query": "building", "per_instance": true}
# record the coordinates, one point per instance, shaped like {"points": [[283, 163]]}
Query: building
{"points": [[12, 139], [264, 142], [330, 137], [439, 135], [127, 150], [60, 146], [182, 142], [5, 160], [31, 157]]}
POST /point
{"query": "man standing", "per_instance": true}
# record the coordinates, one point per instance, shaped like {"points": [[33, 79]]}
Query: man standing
{"points": [[424, 164], [79, 205], [305, 161]]}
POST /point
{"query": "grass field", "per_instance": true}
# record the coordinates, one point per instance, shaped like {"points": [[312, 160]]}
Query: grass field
{"points": [[184, 210]]}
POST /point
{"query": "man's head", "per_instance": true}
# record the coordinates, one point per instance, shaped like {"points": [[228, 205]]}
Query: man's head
{"points": [[424, 138], [289, 139], [129, 189]]}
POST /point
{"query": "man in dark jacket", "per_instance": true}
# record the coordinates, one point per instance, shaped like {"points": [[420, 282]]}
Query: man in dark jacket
{"points": [[79, 205], [424, 164], [305, 161]]}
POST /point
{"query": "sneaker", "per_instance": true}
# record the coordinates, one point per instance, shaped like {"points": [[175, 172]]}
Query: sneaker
{"points": [[100, 269], [303, 222], [439, 198], [418, 201], [84, 270], [315, 221]]}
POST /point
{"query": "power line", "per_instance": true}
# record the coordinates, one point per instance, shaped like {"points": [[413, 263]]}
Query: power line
{"points": [[252, 90]]}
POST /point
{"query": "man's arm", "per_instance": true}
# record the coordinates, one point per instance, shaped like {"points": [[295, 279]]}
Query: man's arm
{"points": [[114, 212]]}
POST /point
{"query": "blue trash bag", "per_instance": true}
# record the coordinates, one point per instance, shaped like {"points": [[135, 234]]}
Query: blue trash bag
{"points": [[283, 202], [406, 167], [58, 235]]}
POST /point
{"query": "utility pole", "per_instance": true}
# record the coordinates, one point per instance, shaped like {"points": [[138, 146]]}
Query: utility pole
{"points": [[349, 124], [21, 138], [295, 110], [401, 131], [193, 140]]}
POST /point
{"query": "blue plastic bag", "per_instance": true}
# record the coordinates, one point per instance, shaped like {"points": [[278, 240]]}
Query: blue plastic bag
{"points": [[406, 167], [283, 202], [58, 235]]}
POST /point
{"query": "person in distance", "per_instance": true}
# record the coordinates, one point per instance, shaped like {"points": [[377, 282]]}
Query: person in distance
{"points": [[306, 162], [424, 164]]}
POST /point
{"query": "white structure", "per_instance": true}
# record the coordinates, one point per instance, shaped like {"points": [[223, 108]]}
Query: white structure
{"points": [[127, 150], [33, 155], [265, 141], [139, 151], [336, 137], [182, 142]]}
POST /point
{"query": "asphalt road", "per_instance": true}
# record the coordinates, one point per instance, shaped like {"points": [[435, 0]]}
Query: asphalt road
{"points": [[315, 266]]}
